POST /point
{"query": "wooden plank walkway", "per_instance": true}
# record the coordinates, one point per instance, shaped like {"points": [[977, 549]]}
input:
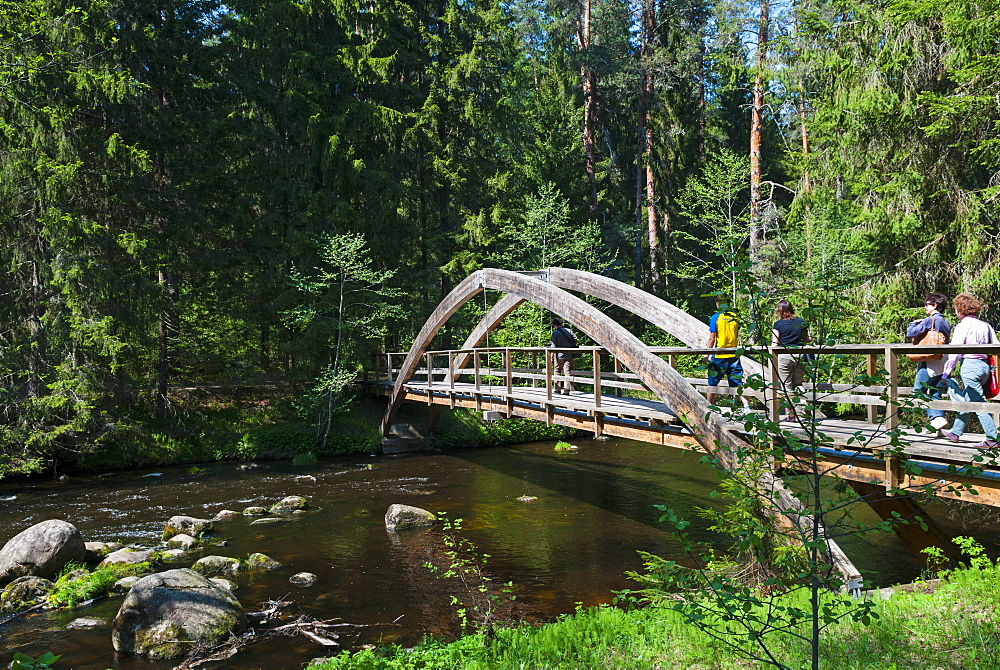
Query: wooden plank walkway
{"points": [[652, 421]]}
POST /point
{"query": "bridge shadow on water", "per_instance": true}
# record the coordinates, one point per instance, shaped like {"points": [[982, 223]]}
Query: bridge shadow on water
{"points": [[618, 477]]}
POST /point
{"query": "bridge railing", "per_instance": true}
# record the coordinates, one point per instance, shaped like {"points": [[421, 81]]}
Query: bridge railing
{"points": [[503, 369]]}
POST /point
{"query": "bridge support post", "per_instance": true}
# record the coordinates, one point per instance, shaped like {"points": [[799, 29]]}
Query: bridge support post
{"points": [[870, 369], [913, 536]]}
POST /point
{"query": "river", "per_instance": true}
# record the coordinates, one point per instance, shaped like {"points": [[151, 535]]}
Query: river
{"points": [[570, 546]]}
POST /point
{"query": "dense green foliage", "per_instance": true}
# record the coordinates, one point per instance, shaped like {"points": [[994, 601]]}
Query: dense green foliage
{"points": [[189, 187]]}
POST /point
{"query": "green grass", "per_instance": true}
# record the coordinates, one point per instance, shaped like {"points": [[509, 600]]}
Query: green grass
{"points": [[955, 627], [71, 592]]}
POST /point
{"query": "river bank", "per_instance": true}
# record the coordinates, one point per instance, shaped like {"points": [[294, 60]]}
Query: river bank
{"points": [[956, 625], [258, 423]]}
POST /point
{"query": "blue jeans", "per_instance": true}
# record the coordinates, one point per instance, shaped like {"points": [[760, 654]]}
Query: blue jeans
{"points": [[974, 374], [934, 393]]}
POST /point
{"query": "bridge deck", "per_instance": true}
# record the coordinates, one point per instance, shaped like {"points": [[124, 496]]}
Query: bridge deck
{"points": [[652, 421]]}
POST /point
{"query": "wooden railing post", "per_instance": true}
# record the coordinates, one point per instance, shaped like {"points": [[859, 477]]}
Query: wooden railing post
{"points": [[430, 369], [774, 405], [672, 360], [534, 369], [451, 370], [388, 360], [618, 372], [870, 370], [548, 375], [510, 371], [892, 408], [597, 378], [475, 363]]}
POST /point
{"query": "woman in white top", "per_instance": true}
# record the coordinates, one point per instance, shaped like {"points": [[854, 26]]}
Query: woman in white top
{"points": [[975, 368]]}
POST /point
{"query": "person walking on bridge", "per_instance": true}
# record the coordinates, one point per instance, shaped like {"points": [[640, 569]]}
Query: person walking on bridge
{"points": [[563, 338], [723, 332], [975, 369], [934, 306], [789, 331]]}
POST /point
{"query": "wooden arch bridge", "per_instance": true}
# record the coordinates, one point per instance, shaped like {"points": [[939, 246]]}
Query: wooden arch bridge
{"points": [[520, 382]]}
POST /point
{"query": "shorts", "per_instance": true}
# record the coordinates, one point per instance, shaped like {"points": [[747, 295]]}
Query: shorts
{"points": [[730, 368]]}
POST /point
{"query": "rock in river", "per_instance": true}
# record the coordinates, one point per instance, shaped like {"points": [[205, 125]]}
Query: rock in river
{"points": [[405, 516], [42, 550], [181, 541], [303, 579], [289, 505], [166, 614], [262, 562], [128, 557], [24, 592], [210, 565], [187, 525], [98, 550]]}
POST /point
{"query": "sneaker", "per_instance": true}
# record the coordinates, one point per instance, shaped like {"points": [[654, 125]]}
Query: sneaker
{"points": [[988, 444], [950, 436]]}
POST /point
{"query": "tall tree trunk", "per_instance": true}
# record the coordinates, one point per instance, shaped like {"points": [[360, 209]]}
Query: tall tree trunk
{"points": [[645, 185], [640, 170], [652, 217], [756, 127], [36, 327], [589, 105], [166, 331], [702, 107], [806, 182]]}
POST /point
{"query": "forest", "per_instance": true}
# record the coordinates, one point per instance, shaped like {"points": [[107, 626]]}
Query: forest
{"points": [[274, 191]]}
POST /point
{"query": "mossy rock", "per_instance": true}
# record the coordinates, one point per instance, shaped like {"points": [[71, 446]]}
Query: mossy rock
{"points": [[24, 592], [289, 504], [262, 562], [212, 565]]}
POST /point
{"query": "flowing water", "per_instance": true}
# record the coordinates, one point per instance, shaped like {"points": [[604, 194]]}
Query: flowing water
{"points": [[573, 544]]}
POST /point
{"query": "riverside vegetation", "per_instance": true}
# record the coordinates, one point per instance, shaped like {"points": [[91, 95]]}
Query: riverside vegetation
{"points": [[948, 624]]}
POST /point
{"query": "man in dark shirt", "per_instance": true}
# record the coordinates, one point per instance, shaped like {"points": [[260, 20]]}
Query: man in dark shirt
{"points": [[563, 338]]}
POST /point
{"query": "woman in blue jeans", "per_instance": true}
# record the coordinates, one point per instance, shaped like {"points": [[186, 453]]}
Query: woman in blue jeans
{"points": [[975, 369], [934, 306]]}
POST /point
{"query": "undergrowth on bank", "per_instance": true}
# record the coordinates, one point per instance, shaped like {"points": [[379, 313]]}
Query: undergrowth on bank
{"points": [[248, 424], [463, 428], [956, 626]]}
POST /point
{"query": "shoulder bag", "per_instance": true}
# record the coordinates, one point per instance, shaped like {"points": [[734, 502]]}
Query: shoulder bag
{"points": [[991, 389], [932, 337]]}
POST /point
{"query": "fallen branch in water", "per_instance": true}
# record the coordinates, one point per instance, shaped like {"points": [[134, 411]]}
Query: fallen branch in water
{"points": [[33, 608], [317, 631]]}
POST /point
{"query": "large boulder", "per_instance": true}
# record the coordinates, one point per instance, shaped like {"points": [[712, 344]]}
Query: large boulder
{"points": [[289, 505], [24, 592], [187, 525], [167, 613], [42, 551], [406, 516]]}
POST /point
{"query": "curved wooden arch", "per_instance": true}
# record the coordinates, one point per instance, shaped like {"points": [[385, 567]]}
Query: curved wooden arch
{"points": [[665, 382], [708, 428], [659, 312]]}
